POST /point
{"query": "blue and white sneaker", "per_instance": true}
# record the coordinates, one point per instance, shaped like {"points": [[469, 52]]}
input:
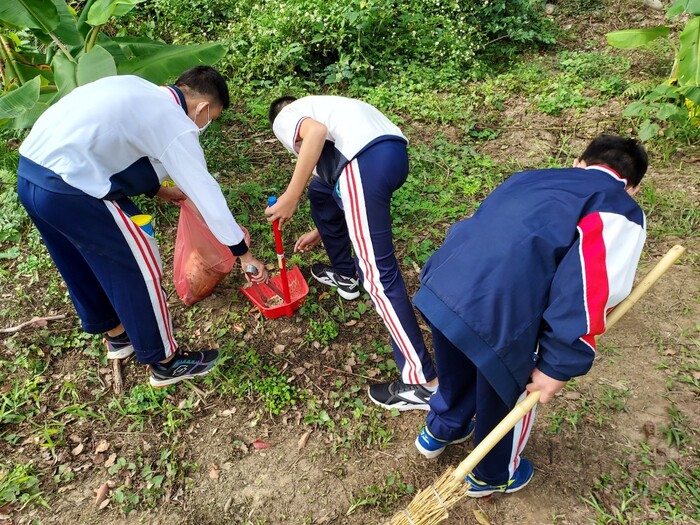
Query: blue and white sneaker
{"points": [[432, 447], [523, 475], [118, 347]]}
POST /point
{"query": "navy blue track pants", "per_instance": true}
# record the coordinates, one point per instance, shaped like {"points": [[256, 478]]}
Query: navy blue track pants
{"points": [[357, 213], [111, 267], [464, 393]]}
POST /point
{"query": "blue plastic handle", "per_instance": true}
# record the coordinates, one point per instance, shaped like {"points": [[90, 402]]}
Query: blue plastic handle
{"points": [[271, 200]]}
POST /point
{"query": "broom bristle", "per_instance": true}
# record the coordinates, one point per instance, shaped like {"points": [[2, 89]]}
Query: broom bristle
{"points": [[430, 506]]}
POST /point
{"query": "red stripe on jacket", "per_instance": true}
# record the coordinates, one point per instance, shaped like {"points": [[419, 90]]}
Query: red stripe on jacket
{"points": [[595, 274]]}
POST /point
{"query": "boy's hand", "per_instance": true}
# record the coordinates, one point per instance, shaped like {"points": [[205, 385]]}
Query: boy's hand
{"points": [[307, 241], [283, 209], [171, 194], [548, 386], [260, 275]]}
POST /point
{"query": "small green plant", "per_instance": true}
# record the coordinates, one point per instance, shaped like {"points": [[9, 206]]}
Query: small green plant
{"points": [[322, 331], [382, 496], [19, 488], [252, 374]]}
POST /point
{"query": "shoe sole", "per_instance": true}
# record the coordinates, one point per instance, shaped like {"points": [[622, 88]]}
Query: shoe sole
{"points": [[348, 296], [122, 353], [400, 407], [162, 383], [430, 454]]}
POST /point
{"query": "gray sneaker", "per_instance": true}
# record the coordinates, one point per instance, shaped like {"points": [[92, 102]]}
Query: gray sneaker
{"points": [[348, 287], [185, 365], [400, 396]]}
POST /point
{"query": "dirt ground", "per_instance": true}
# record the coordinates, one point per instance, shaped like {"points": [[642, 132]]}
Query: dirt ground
{"points": [[299, 479]]}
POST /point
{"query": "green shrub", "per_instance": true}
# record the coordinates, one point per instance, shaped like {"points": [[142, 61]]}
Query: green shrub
{"points": [[354, 41]]}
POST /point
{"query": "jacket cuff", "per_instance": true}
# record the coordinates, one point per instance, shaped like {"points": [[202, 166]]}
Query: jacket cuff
{"points": [[548, 370], [239, 249]]}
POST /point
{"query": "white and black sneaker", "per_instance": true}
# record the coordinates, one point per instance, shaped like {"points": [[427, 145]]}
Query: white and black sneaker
{"points": [[400, 396], [119, 346], [348, 287], [185, 365]]}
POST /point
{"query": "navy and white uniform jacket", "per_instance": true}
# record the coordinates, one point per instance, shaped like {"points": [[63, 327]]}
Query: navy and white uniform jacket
{"points": [[122, 136], [353, 126], [527, 281]]}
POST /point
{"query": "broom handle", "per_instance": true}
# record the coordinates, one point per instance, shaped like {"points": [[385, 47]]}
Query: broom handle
{"points": [[524, 407], [657, 271]]}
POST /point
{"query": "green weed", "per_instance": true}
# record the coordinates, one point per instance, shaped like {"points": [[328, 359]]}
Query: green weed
{"points": [[20, 488], [382, 496]]}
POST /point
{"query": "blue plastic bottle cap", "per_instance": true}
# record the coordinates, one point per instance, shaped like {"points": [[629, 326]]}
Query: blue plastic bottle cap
{"points": [[271, 200]]}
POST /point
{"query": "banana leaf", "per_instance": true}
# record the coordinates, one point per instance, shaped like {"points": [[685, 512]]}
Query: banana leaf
{"points": [[689, 54], [168, 62], [632, 38]]}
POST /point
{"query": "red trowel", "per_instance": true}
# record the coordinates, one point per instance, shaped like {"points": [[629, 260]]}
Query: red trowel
{"points": [[283, 293]]}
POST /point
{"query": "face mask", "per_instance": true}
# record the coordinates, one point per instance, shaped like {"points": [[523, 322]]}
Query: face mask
{"points": [[196, 114]]}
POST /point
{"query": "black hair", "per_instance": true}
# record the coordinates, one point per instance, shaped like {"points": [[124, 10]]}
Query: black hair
{"points": [[626, 156], [205, 81], [277, 106]]}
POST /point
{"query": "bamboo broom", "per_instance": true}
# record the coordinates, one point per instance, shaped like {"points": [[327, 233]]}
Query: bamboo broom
{"points": [[431, 506]]}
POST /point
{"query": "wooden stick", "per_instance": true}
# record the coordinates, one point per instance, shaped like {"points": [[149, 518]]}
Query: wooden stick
{"points": [[41, 320], [118, 379], [657, 271]]}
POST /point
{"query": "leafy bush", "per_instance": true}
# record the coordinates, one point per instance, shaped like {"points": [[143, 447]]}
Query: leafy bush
{"points": [[362, 41]]}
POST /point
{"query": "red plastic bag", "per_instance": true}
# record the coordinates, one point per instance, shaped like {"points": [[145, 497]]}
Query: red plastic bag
{"points": [[200, 261]]}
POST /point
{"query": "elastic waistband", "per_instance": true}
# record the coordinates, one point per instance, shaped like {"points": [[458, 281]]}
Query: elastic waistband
{"points": [[44, 178]]}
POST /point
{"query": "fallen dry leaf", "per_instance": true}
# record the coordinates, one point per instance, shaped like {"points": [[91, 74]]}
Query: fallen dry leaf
{"points": [[304, 439], [278, 349], [481, 517], [101, 494], [111, 459], [214, 472], [104, 504], [77, 450], [259, 444], [102, 446]]}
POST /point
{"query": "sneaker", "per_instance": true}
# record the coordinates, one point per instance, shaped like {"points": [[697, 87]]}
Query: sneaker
{"points": [[118, 347], [432, 447], [400, 396], [348, 288], [523, 475], [185, 365]]}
